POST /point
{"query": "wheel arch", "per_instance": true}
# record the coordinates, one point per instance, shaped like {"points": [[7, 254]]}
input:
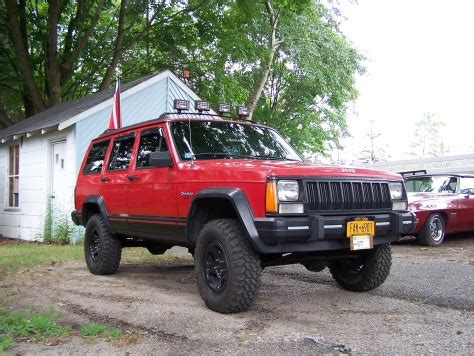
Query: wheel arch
{"points": [[215, 203], [94, 204]]}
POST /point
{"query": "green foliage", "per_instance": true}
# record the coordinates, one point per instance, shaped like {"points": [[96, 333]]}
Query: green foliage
{"points": [[426, 140], [95, 330], [57, 228], [37, 325], [222, 43], [6, 342]]}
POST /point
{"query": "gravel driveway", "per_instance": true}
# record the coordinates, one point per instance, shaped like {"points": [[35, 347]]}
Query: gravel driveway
{"points": [[425, 306]]}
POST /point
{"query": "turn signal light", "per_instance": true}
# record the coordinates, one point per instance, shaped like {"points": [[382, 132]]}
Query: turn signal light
{"points": [[271, 202]]}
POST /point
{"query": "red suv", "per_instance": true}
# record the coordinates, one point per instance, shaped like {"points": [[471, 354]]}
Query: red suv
{"points": [[240, 198]]}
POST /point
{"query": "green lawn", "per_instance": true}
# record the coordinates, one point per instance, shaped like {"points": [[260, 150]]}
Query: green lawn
{"points": [[14, 257]]}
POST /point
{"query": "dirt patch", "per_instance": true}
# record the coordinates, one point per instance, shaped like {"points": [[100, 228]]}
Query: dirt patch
{"points": [[425, 306]]}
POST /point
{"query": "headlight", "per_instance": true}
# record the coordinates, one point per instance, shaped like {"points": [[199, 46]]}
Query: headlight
{"points": [[288, 190], [396, 190]]}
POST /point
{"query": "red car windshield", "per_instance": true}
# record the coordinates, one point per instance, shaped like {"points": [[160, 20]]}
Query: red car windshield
{"points": [[219, 139], [433, 184]]}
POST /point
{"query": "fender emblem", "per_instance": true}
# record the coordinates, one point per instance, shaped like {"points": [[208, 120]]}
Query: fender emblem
{"points": [[187, 194]]}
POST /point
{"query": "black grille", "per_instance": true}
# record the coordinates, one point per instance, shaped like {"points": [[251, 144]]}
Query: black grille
{"points": [[348, 195]]}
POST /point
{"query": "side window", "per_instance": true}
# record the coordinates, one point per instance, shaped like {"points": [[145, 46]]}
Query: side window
{"points": [[467, 186], [150, 141], [95, 159], [121, 153]]}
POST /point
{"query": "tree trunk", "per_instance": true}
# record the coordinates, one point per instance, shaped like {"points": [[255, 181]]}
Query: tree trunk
{"points": [[119, 49], [22, 53], [267, 64], [5, 121], [53, 63]]}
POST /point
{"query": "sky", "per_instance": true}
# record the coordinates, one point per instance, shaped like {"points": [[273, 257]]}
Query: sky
{"points": [[420, 59]]}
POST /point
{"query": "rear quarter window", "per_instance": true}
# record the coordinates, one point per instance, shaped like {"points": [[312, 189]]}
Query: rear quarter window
{"points": [[96, 157]]}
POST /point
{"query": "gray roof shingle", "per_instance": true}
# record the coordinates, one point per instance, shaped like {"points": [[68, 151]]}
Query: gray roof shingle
{"points": [[66, 110]]}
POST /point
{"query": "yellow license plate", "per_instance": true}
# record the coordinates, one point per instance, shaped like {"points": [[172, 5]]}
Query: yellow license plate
{"points": [[360, 226]]}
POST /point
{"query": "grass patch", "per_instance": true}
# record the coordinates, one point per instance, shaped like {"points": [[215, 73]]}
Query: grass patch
{"points": [[36, 326], [6, 342], [14, 257], [95, 330]]}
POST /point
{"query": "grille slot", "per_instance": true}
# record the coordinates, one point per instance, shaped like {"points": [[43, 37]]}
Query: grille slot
{"points": [[348, 195]]}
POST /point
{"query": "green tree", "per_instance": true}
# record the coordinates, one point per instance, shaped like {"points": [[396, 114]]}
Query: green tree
{"points": [[426, 140]]}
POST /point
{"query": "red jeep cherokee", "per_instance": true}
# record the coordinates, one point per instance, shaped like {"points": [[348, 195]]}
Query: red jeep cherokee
{"points": [[240, 198]]}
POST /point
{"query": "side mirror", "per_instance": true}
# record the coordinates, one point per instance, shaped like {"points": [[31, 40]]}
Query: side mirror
{"points": [[160, 159]]}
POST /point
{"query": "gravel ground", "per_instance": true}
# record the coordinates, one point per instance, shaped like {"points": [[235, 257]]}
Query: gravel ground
{"points": [[425, 306]]}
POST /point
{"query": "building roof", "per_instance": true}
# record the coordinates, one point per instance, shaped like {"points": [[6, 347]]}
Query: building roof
{"points": [[69, 112]]}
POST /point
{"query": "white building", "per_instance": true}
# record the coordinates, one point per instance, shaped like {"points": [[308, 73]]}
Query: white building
{"points": [[40, 156]]}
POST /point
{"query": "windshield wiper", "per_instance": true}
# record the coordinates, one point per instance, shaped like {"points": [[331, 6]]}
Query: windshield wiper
{"points": [[276, 158], [219, 155]]}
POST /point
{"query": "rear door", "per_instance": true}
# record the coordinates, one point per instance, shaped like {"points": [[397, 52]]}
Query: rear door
{"points": [[466, 203], [152, 197], [115, 180]]}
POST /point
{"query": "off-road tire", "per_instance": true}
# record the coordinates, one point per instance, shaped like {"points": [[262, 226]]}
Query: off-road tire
{"points": [[109, 252], [157, 249], [425, 236], [373, 268], [243, 267]]}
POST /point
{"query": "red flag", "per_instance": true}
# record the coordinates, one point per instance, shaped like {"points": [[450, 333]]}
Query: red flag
{"points": [[115, 120]]}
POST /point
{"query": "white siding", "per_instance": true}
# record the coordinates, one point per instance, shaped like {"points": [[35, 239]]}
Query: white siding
{"points": [[27, 221]]}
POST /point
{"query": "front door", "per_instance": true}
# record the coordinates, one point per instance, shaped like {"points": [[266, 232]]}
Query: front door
{"points": [[59, 192]]}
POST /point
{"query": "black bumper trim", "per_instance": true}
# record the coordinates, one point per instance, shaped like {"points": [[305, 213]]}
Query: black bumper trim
{"points": [[318, 233], [75, 217]]}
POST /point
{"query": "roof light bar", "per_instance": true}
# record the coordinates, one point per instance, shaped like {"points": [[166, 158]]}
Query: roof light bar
{"points": [[243, 111], [223, 108], [181, 104], [202, 105]]}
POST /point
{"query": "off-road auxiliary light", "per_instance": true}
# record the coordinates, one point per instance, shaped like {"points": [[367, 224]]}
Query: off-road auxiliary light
{"points": [[223, 108], [181, 105], [242, 112], [202, 105]]}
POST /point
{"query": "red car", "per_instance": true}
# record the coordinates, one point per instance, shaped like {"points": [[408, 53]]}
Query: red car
{"points": [[443, 204]]}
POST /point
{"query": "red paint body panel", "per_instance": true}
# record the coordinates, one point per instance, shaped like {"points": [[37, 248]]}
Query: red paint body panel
{"points": [[157, 191]]}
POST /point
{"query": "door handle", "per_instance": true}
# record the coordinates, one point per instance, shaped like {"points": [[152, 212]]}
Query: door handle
{"points": [[104, 179], [132, 177]]}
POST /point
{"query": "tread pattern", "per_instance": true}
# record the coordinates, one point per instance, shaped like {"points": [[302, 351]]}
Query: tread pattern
{"points": [[244, 268], [375, 270], [110, 252]]}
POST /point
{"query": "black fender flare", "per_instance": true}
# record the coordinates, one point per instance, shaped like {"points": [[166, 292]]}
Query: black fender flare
{"points": [[99, 202], [239, 202]]}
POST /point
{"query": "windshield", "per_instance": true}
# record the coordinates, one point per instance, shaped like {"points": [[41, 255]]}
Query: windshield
{"points": [[435, 184], [231, 140]]}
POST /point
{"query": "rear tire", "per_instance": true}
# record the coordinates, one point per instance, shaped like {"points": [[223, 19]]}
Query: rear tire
{"points": [[102, 250], [365, 273], [227, 267], [433, 231]]}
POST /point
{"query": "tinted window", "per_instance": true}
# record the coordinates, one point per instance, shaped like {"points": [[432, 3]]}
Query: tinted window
{"points": [[95, 159], [121, 153], [217, 139], [150, 141]]}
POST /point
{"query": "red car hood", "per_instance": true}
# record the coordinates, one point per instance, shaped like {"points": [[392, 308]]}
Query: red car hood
{"points": [[290, 168]]}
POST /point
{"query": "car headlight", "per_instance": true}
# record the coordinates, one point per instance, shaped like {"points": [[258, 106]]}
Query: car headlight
{"points": [[288, 190], [396, 190]]}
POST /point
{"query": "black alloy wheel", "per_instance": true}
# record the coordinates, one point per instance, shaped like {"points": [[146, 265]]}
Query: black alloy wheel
{"points": [[215, 267]]}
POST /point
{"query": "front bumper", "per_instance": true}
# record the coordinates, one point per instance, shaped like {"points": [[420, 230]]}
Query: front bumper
{"points": [[320, 233]]}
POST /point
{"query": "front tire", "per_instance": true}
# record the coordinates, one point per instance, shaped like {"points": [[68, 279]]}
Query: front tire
{"points": [[102, 250], [365, 273], [433, 231], [227, 267]]}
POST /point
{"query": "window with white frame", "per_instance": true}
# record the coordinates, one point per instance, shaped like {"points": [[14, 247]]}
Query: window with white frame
{"points": [[14, 176]]}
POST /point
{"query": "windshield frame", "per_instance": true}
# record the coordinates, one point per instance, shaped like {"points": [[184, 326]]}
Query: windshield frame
{"points": [[261, 158]]}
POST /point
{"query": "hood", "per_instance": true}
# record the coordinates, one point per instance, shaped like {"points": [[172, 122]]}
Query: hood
{"points": [[261, 169]]}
